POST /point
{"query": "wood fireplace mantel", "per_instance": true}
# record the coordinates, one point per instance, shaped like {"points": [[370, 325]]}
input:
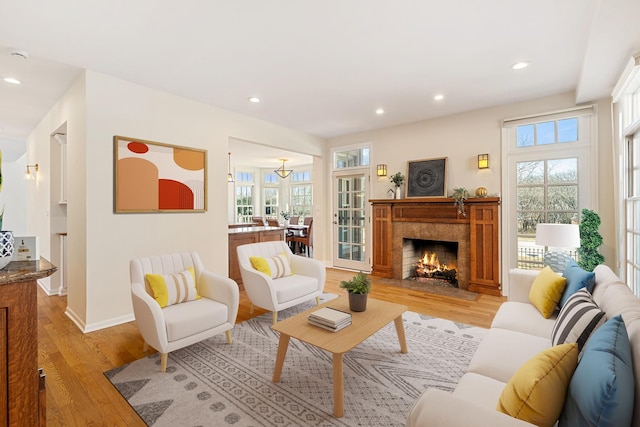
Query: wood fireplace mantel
{"points": [[477, 234]]}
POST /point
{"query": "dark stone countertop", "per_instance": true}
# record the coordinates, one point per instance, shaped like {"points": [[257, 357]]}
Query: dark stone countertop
{"points": [[23, 271]]}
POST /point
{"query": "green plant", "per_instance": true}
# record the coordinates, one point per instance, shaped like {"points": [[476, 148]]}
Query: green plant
{"points": [[397, 179], [459, 195], [359, 284], [286, 215], [590, 240]]}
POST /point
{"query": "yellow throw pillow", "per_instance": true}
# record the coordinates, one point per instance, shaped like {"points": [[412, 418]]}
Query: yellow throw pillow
{"points": [[169, 289], [274, 267], [546, 291], [537, 391]]}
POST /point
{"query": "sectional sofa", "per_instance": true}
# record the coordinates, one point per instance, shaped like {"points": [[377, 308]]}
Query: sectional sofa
{"points": [[593, 381]]}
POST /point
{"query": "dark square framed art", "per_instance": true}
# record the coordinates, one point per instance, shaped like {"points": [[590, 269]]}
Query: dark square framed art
{"points": [[427, 178]]}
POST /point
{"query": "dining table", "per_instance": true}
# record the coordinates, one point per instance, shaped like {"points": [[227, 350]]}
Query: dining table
{"points": [[297, 230]]}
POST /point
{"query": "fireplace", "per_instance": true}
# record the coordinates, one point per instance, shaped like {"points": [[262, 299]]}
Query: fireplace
{"points": [[430, 260], [436, 219]]}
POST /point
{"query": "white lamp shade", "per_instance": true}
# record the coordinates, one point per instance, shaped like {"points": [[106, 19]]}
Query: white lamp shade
{"points": [[558, 235]]}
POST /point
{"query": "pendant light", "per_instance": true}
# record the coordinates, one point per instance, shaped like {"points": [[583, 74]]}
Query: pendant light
{"points": [[282, 172], [229, 174]]}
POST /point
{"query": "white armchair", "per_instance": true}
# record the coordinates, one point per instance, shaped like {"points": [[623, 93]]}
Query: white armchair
{"points": [[306, 281], [180, 325]]}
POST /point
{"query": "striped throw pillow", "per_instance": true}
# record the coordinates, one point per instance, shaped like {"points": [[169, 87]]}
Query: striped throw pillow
{"points": [[579, 317], [274, 267], [169, 289]]}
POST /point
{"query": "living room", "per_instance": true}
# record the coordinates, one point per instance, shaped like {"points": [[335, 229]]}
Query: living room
{"points": [[98, 105]]}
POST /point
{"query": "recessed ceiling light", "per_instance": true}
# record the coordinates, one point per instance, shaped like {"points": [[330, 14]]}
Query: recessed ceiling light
{"points": [[438, 97], [379, 111], [520, 65], [12, 80], [23, 54], [254, 99]]}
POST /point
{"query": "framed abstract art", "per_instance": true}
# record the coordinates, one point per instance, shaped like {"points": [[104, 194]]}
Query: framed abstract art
{"points": [[155, 177], [427, 178]]}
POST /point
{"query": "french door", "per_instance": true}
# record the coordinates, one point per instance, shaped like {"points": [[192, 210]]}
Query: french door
{"points": [[351, 227]]}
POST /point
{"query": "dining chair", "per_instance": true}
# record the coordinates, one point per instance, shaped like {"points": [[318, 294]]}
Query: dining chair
{"points": [[307, 220], [306, 239], [258, 220], [272, 222], [294, 220]]}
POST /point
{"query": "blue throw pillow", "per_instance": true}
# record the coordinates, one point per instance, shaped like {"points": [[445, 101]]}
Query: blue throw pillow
{"points": [[601, 391], [577, 278]]}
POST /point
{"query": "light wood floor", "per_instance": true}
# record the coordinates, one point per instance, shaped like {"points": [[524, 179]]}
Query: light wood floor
{"points": [[78, 393]]}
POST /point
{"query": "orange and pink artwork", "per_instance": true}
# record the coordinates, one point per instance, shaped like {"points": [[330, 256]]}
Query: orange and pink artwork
{"points": [[157, 177]]}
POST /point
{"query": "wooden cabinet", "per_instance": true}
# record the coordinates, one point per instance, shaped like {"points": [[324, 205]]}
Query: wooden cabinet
{"points": [[246, 235], [22, 392], [477, 233]]}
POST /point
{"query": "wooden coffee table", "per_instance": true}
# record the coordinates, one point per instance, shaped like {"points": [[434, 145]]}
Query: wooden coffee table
{"points": [[364, 324]]}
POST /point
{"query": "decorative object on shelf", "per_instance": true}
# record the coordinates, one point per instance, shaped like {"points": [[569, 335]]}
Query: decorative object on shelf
{"points": [[229, 174], [391, 193], [398, 180], [282, 172], [427, 178], [28, 175], [358, 288], [557, 236], [286, 215], [459, 195], [382, 170], [154, 177], [590, 240], [26, 248], [483, 161], [6, 248], [481, 192]]}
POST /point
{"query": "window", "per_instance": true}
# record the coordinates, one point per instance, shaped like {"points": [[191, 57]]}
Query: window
{"points": [[271, 202], [548, 178], [355, 157], [301, 200], [244, 196]]}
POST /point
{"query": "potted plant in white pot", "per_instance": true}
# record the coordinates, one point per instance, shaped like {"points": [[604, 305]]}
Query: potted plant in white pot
{"points": [[398, 180], [358, 288]]}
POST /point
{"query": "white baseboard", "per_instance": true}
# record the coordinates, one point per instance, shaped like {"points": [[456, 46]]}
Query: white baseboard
{"points": [[91, 327]]}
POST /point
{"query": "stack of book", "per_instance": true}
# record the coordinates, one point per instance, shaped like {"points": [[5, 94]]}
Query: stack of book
{"points": [[330, 319]]}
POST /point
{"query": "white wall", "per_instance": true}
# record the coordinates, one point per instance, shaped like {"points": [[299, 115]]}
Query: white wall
{"points": [[14, 196], [102, 243], [462, 137]]}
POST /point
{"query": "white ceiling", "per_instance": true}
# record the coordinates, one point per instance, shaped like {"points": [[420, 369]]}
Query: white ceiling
{"points": [[320, 67]]}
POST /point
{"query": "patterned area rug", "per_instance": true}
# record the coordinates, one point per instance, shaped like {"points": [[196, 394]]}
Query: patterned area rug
{"points": [[213, 383]]}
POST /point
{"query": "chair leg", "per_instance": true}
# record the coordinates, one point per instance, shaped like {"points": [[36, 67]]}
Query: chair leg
{"points": [[251, 309], [317, 300], [228, 333], [163, 362], [274, 317]]}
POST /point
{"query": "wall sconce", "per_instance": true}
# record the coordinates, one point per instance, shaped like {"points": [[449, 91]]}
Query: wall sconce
{"points": [[282, 172], [483, 161], [229, 174], [382, 170], [28, 175]]}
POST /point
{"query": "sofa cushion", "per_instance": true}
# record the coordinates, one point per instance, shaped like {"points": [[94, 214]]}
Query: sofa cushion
{"points": [[275, 267], [578, 319], [480, 389], [546, 290], [577, 278], [169, 289], [183, 320], [601, 391], [501, 352], [537, 391], [523, 317]]}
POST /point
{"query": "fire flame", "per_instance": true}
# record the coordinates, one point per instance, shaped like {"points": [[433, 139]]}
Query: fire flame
{"points": [[430, 263]]}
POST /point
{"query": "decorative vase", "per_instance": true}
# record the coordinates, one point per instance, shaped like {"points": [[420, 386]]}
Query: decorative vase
{"points": [[6, 248], [286, 222], [398, 193], [481, 192], [357, 302]]}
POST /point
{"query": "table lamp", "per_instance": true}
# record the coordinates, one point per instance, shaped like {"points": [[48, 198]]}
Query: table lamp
{"points": [[557, 236]]}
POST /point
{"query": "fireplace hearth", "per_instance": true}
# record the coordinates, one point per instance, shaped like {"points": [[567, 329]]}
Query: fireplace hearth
{"points": [[425, 260]]}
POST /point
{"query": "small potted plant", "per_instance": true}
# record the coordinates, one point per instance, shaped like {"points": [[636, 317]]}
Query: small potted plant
{"points": [[398, 180], [460, 194], [286, 215], [358, 288]]}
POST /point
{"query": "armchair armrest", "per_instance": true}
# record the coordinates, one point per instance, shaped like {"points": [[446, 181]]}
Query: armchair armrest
{"points": [[520, 282], [309, 267], [149, 318], [259, 288], [437, 408], [221, 289]]}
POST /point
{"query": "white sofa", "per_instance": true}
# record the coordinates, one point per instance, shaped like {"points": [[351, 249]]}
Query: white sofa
{"points": [[519, 332]]}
